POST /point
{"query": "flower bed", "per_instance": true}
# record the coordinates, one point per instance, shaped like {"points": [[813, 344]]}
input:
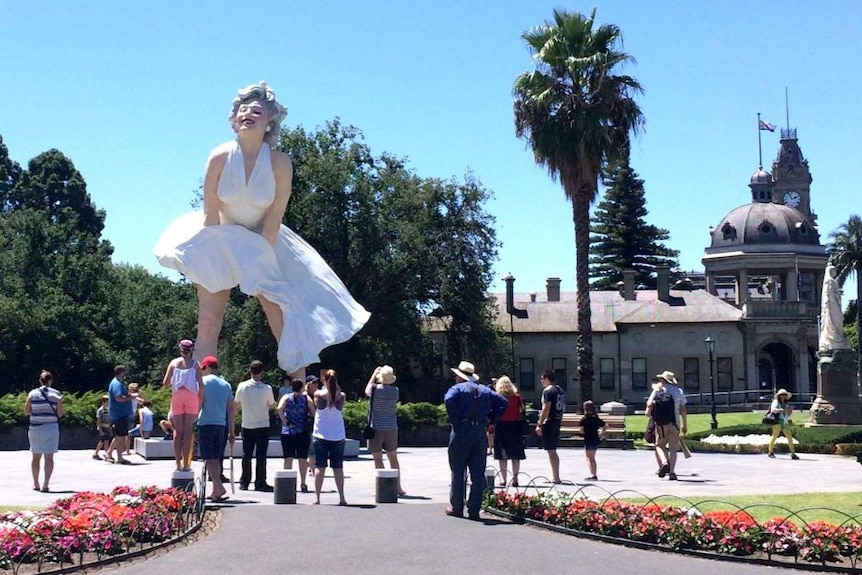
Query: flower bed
{"points": [[89, 527], [720, 533]]}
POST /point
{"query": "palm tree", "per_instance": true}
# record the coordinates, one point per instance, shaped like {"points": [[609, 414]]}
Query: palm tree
{"points": [[846, 256], [577, 115]]}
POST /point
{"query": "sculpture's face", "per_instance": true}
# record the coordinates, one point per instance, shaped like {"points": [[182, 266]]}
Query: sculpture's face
{"points": [[251, 116]]}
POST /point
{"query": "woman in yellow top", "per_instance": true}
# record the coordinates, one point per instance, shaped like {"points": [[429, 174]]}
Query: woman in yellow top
{"points": [[782, 409]]}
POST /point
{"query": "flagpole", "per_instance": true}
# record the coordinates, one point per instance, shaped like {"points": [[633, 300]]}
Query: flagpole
{"points": [[787, 108], [759, 147]]}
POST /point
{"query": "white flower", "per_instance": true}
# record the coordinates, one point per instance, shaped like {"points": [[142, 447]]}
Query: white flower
{"points": [[752, 439]]}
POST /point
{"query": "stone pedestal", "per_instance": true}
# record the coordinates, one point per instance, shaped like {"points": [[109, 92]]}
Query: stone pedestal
{"points": [[284, 490], [837, 397], [614, 408], [386, 485], [183, 480]]}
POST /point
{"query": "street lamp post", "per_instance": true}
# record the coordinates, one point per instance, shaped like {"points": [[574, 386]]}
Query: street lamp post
{"points": [[710, 348]]}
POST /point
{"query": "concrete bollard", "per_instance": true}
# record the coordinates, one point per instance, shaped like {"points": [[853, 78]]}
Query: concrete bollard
{"points": [[490, 477], [386, 490], [284, 490], [183, 480]]}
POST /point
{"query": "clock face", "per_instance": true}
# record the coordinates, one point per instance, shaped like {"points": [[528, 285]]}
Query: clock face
{"points": [[792, 199]]}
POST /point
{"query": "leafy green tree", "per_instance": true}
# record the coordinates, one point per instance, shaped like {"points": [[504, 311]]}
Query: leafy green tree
{"points": [[10, 173], [577, 114], [621, 237], [152, 314], [403, 245], [54, 278], [846, 256]]}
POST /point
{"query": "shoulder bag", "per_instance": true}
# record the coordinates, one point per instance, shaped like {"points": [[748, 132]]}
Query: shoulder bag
{"points": [[368, 431], [771, 418]]}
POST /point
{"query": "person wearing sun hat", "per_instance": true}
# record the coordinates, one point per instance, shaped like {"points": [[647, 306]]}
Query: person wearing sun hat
{"points": [[384, 401], [470, 407], [781, 407], [668, 426]]}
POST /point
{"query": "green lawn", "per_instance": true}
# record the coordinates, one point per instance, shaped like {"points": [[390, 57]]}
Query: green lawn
{"points": [[700, 421], [835, 508]]}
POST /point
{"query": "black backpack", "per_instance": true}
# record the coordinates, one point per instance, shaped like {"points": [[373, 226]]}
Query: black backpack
{"points": [[663, 410]]}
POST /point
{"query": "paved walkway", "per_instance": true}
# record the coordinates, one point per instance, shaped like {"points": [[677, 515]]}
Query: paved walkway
{"points": [[414, 535]]}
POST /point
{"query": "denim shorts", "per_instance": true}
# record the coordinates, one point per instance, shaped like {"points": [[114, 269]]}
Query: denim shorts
{"points": [[333, 451], [211, 441], [295, 446]]}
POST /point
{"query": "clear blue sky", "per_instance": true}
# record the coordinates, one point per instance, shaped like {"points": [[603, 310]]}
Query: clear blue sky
{"points": [[137, 94]]}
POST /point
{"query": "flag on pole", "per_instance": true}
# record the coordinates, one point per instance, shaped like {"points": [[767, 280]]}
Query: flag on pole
{"points": [[766, 126]]}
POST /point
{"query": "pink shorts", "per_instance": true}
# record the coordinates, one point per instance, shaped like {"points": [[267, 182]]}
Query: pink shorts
{"points": [[185, 402]]}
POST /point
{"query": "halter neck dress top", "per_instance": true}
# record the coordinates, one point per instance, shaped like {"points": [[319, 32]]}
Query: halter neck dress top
{"points": [[318, 310]]}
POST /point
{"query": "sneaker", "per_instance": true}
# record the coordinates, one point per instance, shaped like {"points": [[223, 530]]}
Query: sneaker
{"points": [[771, 455], [663, 470], [794, 456], [672, 476]]}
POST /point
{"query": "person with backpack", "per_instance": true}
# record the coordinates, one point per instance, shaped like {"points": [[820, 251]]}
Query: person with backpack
{"points": [[295, 410], [666, 407]]}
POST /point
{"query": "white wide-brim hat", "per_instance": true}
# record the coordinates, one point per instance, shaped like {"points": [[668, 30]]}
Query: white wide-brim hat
{"points": [[466, 370], [782, 391], [668, 376]]}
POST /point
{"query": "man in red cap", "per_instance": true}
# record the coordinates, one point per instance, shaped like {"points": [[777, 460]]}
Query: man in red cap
{"points": [[216, 419]]}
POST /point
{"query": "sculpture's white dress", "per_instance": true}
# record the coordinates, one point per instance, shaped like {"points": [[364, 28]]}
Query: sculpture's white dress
{"points": [[831, 316], [318, 310]]}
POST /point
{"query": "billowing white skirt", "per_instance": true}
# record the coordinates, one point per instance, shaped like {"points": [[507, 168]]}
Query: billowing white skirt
{"points": [[318, 310]]}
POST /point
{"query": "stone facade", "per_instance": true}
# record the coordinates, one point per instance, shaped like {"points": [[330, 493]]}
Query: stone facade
{"points": [[759, 298]]}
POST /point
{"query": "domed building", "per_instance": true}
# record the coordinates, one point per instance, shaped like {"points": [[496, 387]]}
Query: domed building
{"points": [[765, 257]]}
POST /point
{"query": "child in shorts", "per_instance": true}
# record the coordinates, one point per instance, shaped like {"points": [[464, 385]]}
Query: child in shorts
{"points": [[103, 427]]}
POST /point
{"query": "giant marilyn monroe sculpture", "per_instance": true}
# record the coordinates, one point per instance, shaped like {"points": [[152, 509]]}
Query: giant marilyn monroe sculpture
{"points": [[239, 240], [831, 316]]}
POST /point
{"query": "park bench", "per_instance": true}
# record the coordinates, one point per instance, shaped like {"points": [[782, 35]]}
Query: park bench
{"points": [[571, 434]]}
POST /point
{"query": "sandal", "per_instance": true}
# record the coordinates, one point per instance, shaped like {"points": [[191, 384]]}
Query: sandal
{"points": [[304, 488], [109, 460]]}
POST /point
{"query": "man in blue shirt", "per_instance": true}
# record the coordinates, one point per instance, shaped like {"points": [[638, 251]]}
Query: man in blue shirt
{"points": [[216, 418], [470, 407], [120, 410]]}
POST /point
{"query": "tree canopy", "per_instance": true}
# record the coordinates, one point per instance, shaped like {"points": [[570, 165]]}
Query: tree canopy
{"points": [[577, 113], [622, 239]]}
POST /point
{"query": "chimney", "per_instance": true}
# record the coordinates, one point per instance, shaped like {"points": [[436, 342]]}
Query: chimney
{"points": [[628, 290], [663, 283], [532, 297], [553, 285]]}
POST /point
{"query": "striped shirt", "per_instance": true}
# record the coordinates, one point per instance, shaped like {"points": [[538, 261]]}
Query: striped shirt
{"points": [[383, 416], [43, 405]]}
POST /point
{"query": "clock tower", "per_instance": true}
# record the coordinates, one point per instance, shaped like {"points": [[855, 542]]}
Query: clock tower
{"points": [[791, 176]]}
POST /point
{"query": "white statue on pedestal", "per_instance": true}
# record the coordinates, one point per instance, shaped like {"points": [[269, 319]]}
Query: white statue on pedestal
{"points": [[831, 316]]}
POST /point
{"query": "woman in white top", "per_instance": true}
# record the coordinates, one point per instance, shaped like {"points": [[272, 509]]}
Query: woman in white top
{"points": [[44, 407], [328, 435], [187, 397]]}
